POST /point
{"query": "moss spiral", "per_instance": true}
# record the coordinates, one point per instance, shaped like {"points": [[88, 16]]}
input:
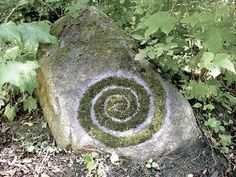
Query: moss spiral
{"points": [[120, 109]]}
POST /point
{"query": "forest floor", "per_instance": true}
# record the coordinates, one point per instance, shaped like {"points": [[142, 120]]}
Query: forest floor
{"points": [[27, 149]]}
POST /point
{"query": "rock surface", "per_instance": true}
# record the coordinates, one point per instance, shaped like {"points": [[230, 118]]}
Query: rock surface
{"points": [[95, 96]]}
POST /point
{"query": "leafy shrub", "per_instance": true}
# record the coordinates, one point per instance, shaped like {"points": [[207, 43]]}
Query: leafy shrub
{"points": [[18, 48], [194, 42]]}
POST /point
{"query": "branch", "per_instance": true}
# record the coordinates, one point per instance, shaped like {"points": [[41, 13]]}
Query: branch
{"points": [[12, 11]]}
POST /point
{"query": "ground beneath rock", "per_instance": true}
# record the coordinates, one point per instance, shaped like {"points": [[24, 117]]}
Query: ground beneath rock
{"points": [[27, 149]]}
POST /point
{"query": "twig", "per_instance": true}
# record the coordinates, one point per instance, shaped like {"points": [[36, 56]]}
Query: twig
{"points": [[38, 168], [173, 6], [12, 11]]}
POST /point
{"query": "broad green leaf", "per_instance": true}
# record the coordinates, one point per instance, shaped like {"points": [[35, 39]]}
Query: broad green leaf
{"points": [[145, 53], [170, 45], [201, 90], [138, 37], [214, 35], [206, 20], [209, 107], [159, 52], [9, 32], [10, 112], [10, 72], [197, 19], [19, 74], [161, 20], [225, 140], [222, 11], [154, 52], [170, 65], [34, 33], [214, 62], [214, 124], [222, 60], [213, 39], [27, 35], [30, 104], [12, 53], [197, 105], [141, 55], [191, 20], [28, 82], [206, 60], [28, 79]]}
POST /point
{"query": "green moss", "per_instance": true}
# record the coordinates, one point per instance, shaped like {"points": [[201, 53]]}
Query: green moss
{"points": [[99, 106], [91, 29], [60, 25], [118, 106], [62, 53], [112, 141], [119, 114]]}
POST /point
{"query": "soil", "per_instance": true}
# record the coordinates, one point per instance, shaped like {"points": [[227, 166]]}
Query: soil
{"points": [[27, 149]]}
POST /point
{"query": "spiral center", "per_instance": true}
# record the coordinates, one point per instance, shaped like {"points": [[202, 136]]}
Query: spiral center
{"points": [[117, 103]]}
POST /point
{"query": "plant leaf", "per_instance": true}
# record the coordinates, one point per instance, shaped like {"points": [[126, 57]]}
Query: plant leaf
{"points": [[191, 20], [10, 112], [34, 33], [30, 104], [9, 32], [19, 74], [222, 60], [160, 20]]}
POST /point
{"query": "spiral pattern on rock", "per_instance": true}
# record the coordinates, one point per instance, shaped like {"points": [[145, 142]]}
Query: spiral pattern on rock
{"points": [[119, 109]]}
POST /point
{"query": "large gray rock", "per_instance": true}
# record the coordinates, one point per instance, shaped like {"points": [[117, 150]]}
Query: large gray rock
{"points": [[95, 96]]}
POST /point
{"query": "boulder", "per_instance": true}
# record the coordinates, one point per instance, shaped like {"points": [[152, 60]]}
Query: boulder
{"points": [[95, 96]]}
